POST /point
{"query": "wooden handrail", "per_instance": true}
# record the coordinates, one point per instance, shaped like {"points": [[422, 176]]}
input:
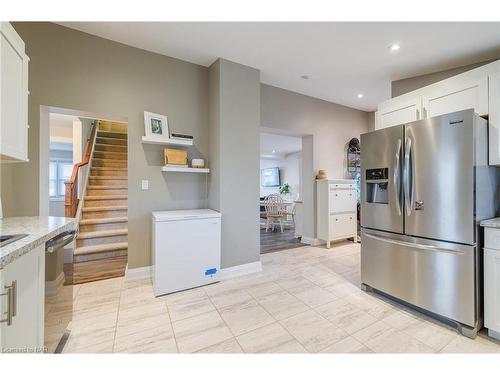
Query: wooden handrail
{"points": [[71, 186]]}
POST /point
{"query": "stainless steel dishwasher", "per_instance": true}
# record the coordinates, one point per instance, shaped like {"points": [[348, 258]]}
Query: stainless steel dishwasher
{"points": [[58, 296]]}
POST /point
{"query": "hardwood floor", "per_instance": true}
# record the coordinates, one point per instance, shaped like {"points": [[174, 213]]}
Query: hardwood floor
{"points": [[277, 241], [101, 269]]}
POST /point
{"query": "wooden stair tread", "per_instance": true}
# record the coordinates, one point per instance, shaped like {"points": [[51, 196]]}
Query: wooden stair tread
{"points": [[102, 233], [104, 208], [106, 134], [108, 178], [110, 169], [107, 187], [104, 220], [84, 250], [111, 152], [104, 197]]}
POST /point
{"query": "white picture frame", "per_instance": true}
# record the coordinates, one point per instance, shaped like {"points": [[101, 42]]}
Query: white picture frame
{"points": [[156, 125]]}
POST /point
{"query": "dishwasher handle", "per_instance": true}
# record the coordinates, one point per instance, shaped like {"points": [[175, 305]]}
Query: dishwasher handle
{"points": [[59, 241]]}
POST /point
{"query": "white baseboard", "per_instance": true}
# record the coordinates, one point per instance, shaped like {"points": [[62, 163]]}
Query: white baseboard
{"points": [[241, 270], [139, 273], [52, 287], [311, 241]]}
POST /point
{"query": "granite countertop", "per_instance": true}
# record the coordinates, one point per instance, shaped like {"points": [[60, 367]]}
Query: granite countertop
{"points": [[39, 229], [491, 223]]}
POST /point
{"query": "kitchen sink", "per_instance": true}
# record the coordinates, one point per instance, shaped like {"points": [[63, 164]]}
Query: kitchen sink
{"points": [[9, 238]]}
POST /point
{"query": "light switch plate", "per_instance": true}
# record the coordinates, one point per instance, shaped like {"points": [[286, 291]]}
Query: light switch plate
{"points": [[145, 184]]}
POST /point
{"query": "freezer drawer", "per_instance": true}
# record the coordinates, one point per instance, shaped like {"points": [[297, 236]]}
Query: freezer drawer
{"points": [[186, 254], [436, 276]]}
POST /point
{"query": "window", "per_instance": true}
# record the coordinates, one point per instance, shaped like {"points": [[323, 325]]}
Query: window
{"points": [[59, 171]]}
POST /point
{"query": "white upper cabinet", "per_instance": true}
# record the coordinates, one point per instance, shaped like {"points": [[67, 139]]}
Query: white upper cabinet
{"points": [[398, 111], [478, 88], [494, 118], [13, 96], [456, 94]]}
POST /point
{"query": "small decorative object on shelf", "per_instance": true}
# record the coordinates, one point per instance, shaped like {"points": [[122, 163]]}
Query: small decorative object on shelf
{"points": [[155, 126], [180, 136], [198, 163], [175, 157], [321, 175]]}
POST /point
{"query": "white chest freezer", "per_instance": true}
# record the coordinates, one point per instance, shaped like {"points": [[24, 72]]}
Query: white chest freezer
{"points": [[185, 249]]}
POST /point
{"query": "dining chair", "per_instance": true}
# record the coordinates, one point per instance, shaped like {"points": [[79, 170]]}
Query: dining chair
{"points": [[275, 210]]}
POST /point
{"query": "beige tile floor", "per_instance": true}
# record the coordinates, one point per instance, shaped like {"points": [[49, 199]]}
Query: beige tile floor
{"points": [[306, 300]]}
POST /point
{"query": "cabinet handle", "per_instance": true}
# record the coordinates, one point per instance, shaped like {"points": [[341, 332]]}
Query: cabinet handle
{"points": [[14, 298], [418, 114], [11, 302]]}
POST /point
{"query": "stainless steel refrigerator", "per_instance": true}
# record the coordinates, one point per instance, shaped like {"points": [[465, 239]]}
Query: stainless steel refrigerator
{"points": [[425, 186]]}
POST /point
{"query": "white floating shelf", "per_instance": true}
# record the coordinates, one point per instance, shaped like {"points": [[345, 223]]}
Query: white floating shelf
{"points": [[167, 141], [167, 168]]}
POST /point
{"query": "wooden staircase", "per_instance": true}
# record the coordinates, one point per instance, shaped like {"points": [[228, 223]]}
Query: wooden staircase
{"points": [[103, 226]]}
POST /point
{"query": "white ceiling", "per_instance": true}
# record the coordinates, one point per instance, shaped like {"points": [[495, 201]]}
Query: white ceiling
{"points": [[341, 58], [61, 128], [282, 145]]}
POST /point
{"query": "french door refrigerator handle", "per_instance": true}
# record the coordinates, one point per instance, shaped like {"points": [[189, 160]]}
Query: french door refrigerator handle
{"points": [[396, 178], [413, 245], [406, 176]]}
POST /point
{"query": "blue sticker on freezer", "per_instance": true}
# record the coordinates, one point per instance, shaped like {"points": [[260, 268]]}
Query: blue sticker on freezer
{"points": [[211, 271]]}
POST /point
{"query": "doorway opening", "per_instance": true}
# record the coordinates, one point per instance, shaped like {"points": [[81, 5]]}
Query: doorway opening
{"points": [[85, 174], [280, 192]]}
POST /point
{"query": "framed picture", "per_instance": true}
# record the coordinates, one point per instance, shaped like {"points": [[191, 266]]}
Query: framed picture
{"points": [[156, 126]]}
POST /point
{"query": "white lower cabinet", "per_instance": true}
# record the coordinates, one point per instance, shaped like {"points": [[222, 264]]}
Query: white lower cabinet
{"points": [[492, 282], [22, 318], [336, 210]]}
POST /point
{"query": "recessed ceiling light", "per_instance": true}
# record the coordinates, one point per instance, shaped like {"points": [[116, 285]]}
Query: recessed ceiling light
{"points": [[274, 151], [360, 96], [395, 47], [305, 76]]}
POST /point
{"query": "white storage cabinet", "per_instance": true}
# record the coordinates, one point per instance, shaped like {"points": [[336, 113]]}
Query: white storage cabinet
{"points": [[13, 96], [23, 279], [186, 247], [336, 210], [492, 281]]}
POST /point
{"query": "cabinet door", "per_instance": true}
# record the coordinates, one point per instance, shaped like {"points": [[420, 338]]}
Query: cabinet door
{"points": [[494, 118], [455, 95], [342, 225], [398, 111], [492, 289], [26, 330], [13, 95], [342, 200]]}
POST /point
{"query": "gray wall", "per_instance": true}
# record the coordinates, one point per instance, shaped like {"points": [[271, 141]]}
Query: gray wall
{"points": [[71, 69], [403, 86], [326, 126], [234, 149], [331, 125]]}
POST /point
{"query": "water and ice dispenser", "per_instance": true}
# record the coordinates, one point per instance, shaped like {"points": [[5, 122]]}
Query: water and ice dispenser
{"points": [[377, 183]]}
